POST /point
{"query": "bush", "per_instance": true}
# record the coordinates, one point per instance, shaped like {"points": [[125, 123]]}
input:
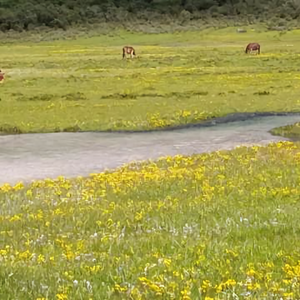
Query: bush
{"points": [[28, 14]]}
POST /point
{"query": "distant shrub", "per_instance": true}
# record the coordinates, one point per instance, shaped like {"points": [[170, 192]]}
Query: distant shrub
{"points": [[262, 93], [8, 129], [44, 97], [74, 96]]}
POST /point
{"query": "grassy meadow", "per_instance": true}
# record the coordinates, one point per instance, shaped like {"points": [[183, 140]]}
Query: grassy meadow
{"points": [[223, 225], [187, 77]]}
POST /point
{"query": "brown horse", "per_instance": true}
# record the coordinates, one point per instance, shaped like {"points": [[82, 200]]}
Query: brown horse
{"points": [[128, 50], [253, 47], [1, 77]]}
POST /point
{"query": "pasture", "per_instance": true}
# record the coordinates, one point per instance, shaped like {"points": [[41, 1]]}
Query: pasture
{"points": [[223, 225], [79, 85]]}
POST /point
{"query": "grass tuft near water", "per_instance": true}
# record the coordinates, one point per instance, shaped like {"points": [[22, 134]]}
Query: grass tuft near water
{"points": [[290, 131]]}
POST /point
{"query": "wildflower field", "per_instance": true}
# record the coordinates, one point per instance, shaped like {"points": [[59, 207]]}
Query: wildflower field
{"points": [[186, 77], [223, 225]]}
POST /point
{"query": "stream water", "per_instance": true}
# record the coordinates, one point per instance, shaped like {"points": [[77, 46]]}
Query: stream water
{"points": [[38, 156]]}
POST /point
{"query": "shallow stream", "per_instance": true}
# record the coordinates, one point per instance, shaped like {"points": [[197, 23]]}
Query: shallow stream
{"points": [[38, 156]]}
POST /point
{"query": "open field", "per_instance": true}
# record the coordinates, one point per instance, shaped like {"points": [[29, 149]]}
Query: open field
{"points": [[223, 225], [181, 78], [215, 226]]}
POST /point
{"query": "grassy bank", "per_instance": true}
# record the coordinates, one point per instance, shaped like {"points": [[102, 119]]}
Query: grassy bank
{"points": [[212, 226], [179, 78], [291, 131]]}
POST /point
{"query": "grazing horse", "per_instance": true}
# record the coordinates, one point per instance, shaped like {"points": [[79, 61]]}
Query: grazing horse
{"points": [[1, 77], [128, 50], [253, 47]]}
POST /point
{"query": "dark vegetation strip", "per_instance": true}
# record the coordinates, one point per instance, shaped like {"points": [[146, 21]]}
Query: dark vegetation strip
{"points": [[290, 131], [230, 118], [30, 14], [233, 117]]}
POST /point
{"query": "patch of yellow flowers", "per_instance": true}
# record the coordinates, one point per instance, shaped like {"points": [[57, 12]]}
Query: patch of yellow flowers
{"points": [[158, 121], [222, 225]]}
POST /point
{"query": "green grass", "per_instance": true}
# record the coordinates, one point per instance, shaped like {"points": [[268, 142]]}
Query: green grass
{"points": [[179, 78], [223, 225], [290, 131]]}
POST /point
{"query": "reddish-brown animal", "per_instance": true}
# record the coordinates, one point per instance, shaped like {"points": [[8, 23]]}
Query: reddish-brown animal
{"points": [[128, 50], [1, 77], [253, 47]]}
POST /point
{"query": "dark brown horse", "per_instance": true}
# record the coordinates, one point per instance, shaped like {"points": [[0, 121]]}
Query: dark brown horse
{"points": [[128, 50], [253, 47], [1, 77]]}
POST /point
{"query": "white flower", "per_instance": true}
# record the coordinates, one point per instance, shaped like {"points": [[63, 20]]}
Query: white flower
{"points": [[89, 286]]}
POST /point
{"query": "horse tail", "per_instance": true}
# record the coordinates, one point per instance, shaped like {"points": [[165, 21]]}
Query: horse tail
{"points": [[246, 51]]}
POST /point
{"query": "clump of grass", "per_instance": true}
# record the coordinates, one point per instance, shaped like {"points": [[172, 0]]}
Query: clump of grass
{"points": [[262, 93], [74, 96], [129, 95], [8, 129], [74, 128], [43, 97], [50, 97], [123, 95], [290, 131]]}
